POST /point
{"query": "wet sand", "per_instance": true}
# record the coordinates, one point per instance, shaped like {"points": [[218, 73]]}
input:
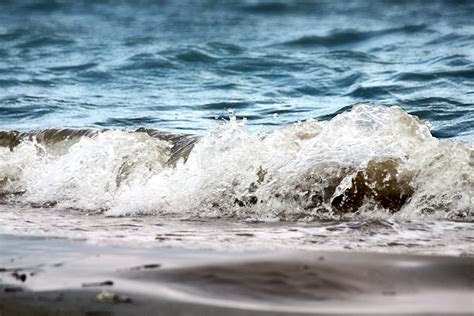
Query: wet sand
{"points": [[40, 276]]}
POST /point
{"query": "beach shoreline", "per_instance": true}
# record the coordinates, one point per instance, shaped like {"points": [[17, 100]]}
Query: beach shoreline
{"points": [[87, 279]]}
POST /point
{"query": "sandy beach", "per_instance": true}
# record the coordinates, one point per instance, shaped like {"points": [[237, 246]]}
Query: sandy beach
{"points": [[78, 278]]}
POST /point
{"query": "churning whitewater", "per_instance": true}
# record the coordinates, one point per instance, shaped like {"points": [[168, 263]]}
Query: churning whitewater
{"points": [[370, 159]]}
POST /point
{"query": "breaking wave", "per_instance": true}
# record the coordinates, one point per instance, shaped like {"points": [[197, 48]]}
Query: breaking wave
{"points": [[370, 159]]}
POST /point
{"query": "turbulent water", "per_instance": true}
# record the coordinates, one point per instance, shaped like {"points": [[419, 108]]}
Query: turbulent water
{"points": [[337, 124], [356, 171], [371, 158]]}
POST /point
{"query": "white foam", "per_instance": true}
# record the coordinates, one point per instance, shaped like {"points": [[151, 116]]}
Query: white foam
{"points": [[232, 172]]}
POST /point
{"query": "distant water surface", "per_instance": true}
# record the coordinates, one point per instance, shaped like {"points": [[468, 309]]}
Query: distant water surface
{"points": [[179, 65]]}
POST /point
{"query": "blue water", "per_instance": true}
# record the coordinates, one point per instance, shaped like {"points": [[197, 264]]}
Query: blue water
{"points": [[372, 179], [180, 65]]}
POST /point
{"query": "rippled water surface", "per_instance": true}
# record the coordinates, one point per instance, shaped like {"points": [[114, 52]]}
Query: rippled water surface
{"points": [[178, 65], [381, 157]]}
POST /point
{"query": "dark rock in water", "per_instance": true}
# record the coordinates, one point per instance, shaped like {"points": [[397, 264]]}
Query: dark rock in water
{"points": [[344, 189], [380, 183]]}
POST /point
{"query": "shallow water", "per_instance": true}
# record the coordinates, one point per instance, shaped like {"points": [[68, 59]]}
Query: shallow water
{"points": [[390, 235]]}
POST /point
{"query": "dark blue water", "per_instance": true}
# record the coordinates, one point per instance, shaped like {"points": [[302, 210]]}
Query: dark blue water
{"points": [[179, 65]]}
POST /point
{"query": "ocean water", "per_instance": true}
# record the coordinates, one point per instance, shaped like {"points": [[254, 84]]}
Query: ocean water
{"points": [[239, 124]]}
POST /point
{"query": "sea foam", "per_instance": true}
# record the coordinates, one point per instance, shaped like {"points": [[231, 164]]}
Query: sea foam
{"points": [[369, 159]]}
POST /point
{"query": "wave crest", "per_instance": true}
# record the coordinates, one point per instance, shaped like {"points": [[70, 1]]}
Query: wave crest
{"points": [[369, 159]]}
